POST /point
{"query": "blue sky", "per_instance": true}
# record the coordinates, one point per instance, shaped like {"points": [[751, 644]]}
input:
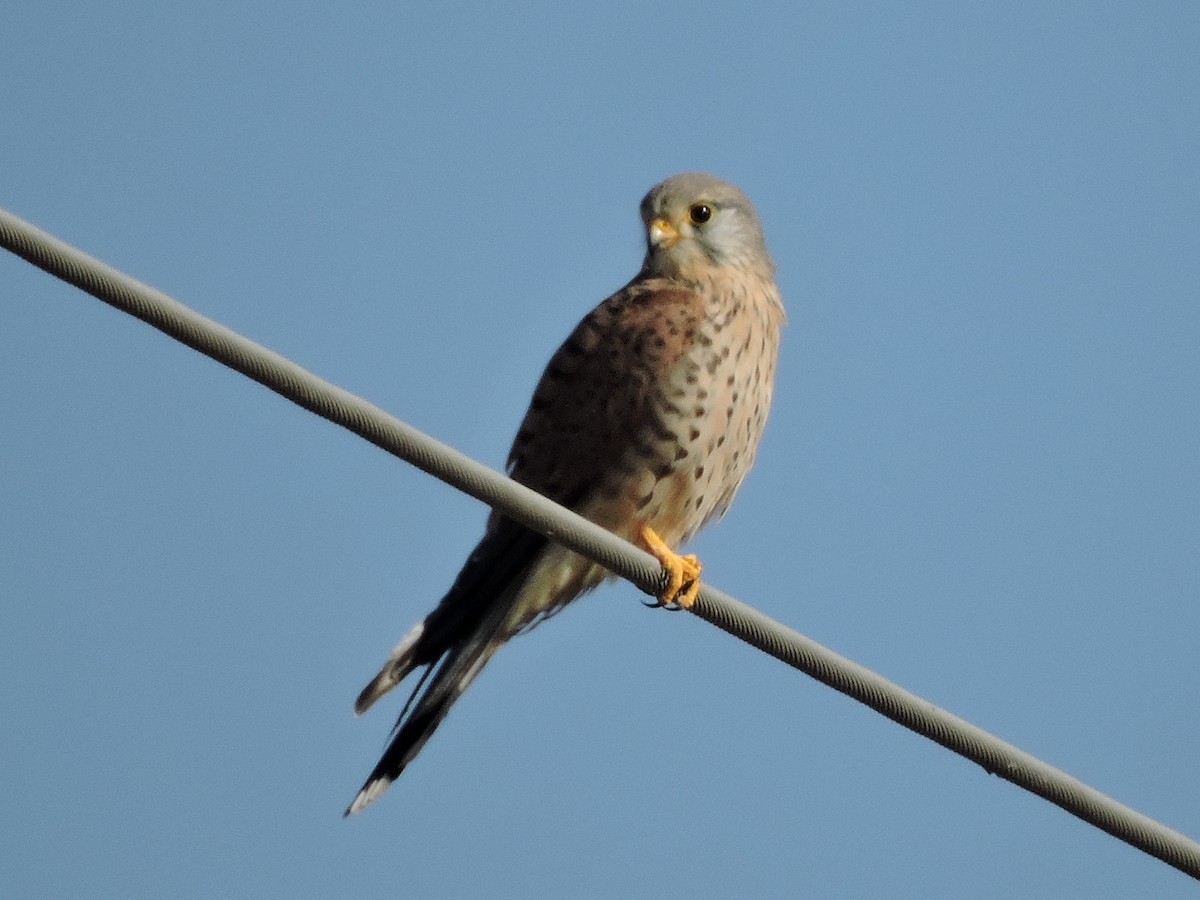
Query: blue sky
{"points": [[980, 479]]}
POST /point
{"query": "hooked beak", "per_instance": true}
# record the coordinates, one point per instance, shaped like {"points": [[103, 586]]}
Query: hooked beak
{"points": [[663, 234]]}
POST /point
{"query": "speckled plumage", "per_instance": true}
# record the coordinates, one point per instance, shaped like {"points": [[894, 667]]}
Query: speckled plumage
{"points": [[649, 414]]}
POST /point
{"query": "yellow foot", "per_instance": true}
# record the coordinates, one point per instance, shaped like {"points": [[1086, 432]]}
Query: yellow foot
{"points": [[684, 571]]}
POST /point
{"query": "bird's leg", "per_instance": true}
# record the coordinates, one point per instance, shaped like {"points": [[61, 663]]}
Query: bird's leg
{"points": [[683, 571]]}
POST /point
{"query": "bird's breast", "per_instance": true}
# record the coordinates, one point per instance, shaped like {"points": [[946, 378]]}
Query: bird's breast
{"points": [[708, 400]]}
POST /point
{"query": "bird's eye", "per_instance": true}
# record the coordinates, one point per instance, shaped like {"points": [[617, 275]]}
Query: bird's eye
{"points": [[699, 213]]}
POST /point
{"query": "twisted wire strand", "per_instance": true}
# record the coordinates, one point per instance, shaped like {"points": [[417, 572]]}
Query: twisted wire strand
{"points": [[632, 563]]}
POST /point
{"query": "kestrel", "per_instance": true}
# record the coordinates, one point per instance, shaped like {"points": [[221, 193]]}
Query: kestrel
{"points": [[645, 422]]}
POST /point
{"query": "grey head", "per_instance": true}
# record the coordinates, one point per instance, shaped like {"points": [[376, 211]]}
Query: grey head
{"points": [[695, 221]]}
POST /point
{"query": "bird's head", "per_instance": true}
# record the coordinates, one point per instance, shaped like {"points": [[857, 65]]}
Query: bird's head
{"points": [[695, 222]]}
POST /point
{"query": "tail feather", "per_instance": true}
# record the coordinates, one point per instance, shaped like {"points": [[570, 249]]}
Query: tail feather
{"points": [[455, 641], [450, 679]]}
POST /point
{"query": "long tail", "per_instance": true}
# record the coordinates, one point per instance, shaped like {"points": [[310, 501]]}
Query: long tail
{"points": [[449, 679], [455, 641]]}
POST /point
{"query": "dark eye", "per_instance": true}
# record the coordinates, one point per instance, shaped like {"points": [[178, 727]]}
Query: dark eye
{"points": [[700, 213]]}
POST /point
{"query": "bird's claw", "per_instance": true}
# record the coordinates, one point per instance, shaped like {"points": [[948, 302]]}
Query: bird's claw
{"points": [[683, 573]]}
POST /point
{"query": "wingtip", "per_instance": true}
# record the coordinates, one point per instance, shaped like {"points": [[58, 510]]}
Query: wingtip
{"points": [[380, 685], [398, 665]]}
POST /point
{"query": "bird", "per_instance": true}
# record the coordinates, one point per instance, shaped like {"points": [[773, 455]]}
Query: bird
{"points": [[645, 421]]}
